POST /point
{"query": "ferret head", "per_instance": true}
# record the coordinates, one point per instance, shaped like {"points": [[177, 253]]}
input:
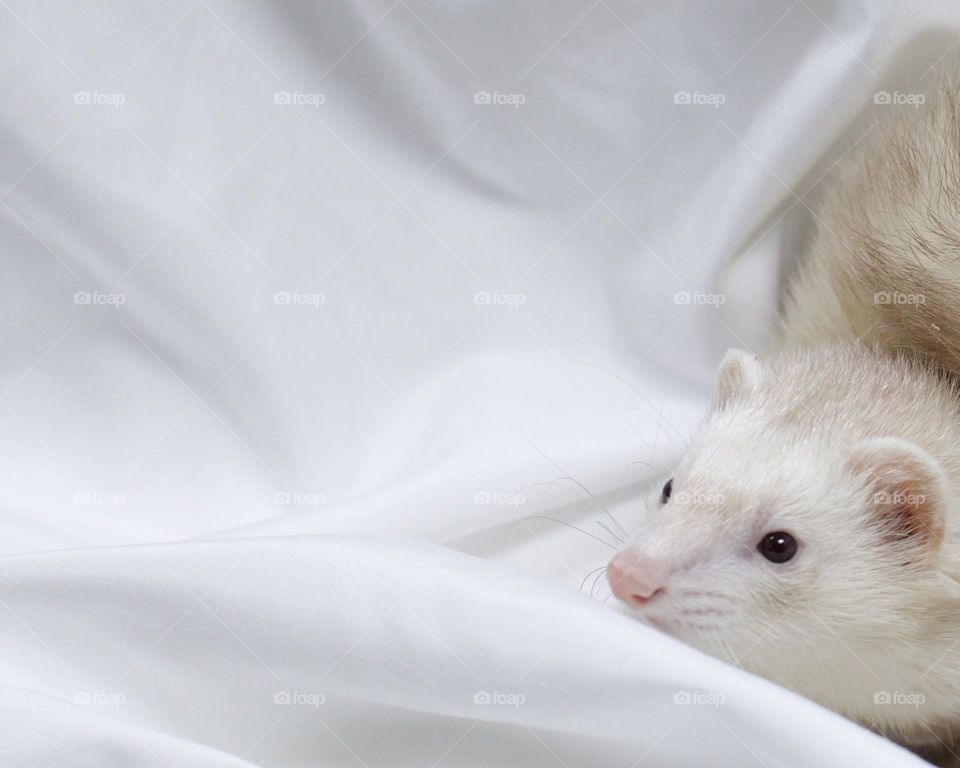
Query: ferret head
{"points": [[802, 535]]}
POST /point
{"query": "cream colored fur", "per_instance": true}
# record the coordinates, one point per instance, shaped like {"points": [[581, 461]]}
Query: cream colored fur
{"points": [[862, 392], [884, 265]]}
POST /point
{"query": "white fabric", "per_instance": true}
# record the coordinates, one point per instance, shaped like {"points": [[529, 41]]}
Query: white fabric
{"points": [[238, 531]]}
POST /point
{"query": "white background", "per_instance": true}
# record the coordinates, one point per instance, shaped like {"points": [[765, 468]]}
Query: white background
{"points": [[213, 500]]}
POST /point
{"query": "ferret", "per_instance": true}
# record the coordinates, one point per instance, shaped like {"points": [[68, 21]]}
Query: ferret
{"points": [[811, 532]]}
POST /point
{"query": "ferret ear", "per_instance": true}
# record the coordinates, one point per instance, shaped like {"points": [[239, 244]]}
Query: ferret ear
{"points": [[909, 489], [738, 377]]}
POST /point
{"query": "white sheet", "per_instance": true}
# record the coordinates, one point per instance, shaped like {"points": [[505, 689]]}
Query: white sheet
{"points": [[241, 530]]}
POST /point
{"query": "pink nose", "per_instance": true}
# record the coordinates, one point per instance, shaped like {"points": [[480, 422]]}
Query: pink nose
{"points": [[635, 580]]}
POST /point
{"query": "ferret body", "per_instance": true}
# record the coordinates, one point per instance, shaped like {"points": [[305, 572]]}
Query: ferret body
{"points": [[811, 533], [884, 266]]}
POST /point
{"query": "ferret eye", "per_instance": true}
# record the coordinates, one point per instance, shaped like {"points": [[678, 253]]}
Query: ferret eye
{"points": [[667, 489], [778, 547]]}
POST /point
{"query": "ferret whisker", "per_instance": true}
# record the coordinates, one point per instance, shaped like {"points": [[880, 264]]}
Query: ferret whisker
{"points": [[705, 594], [726, 650], [558, 483], [610, 531], [568, 525], [596, 582], [660, 420], [616, 522], [587, 577], [565, 475], [701, 612]]}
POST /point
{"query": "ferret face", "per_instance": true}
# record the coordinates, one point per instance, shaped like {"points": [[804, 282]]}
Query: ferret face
{"points": [[784, 550]]}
